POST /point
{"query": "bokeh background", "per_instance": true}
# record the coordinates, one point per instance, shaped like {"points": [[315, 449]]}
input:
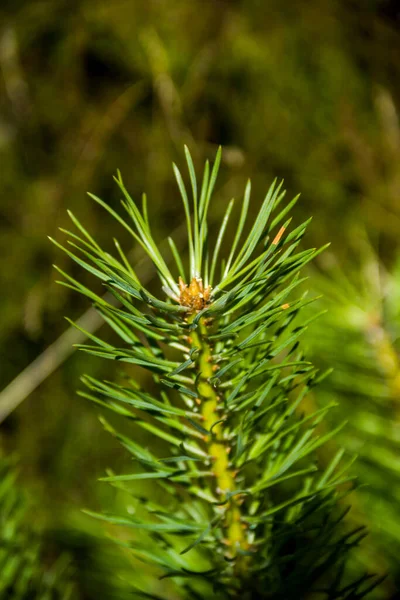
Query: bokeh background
{"points": [[303, 90]]}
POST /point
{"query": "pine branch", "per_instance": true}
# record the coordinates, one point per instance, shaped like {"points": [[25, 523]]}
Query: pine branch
{"points": [[245, 509]]}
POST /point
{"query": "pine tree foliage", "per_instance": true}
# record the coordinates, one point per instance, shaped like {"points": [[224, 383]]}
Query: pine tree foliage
{"points": [[359, 334], [24, 572], [226, 496]]}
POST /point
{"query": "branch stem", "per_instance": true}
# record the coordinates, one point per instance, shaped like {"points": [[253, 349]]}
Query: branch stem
{"points": [[218, 446]]}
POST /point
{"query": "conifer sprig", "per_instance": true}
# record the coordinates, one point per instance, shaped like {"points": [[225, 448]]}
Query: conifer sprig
{"points": [[244, 509]]}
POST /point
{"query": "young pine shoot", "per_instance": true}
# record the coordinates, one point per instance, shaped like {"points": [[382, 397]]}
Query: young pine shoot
{"points": [[229, 500]]}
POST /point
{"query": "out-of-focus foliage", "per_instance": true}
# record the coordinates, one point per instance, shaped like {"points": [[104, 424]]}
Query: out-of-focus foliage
{"points": [[306, 90], [26, 572], [360, 336]]}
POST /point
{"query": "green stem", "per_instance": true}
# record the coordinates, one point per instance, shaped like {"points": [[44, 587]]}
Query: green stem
{"points": [[211, 408]]}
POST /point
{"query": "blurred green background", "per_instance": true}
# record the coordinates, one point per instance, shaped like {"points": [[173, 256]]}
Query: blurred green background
{"points": [[302, 90]]}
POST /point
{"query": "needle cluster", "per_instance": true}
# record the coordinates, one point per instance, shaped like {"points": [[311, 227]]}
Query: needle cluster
{"points": [[229, 499]]}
